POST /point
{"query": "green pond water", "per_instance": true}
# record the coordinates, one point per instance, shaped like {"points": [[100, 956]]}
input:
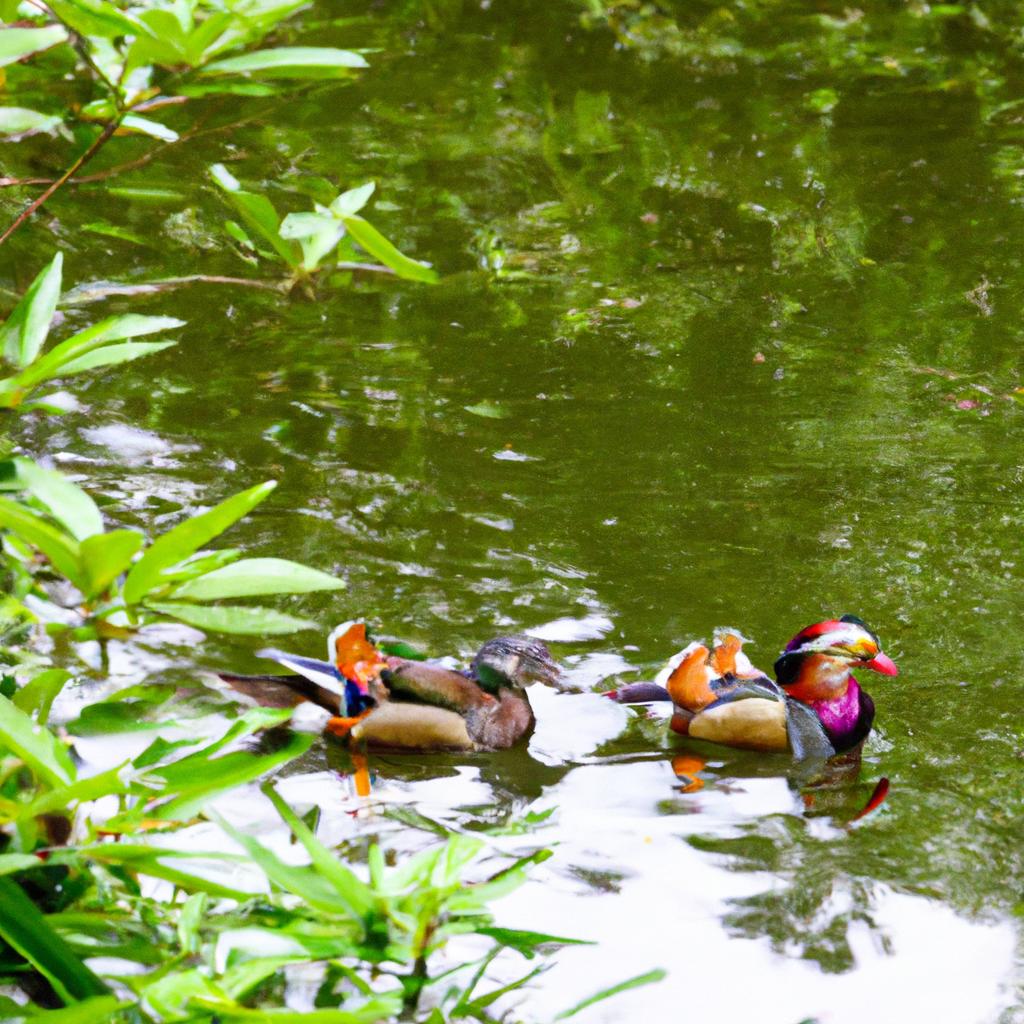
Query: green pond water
{"points": [[729, 332]]}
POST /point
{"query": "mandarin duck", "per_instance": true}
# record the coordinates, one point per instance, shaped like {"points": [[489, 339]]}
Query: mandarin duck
{"points": [[387, 702], [816, 709]]}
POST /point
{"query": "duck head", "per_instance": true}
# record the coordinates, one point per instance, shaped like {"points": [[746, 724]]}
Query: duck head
{"points": [[817, 662], [514, 661]]}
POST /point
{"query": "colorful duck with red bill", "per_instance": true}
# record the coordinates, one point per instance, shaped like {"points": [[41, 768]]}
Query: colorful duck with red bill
{"points": [[815, 709]]}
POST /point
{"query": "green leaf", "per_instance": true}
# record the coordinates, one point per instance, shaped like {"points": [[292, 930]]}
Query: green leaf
{"points": [[300, 881], [111, 355], [187, 538], [252, 721], [25, 330], [290, 62], [214, 776], [98, 1010], [16, 43], [317, 235], [306, 225], [356, 894], [113, 782], [375, 1011], [106, 555], [190, 920], [108, 230], [232, 618], [20, 121], [150, 860], [11, 863], [97, 18], [115, 328], [489, 410], [257, 212], [352, 201], [363, 232], [527, 942], [252, 577], [223, 177], [172, 994], [60, 548], [607, 993], [38, 694], [146, 126], [35, 745], [64, 500]]}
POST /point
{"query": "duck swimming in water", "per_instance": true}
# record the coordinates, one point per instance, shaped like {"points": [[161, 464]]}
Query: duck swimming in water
{"points": [[394, 703], [816, 709]]}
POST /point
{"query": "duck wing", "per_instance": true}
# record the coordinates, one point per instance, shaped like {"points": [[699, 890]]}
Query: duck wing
{"points": [[323, 673], [807, 737], [283, 691], [431, 684]]}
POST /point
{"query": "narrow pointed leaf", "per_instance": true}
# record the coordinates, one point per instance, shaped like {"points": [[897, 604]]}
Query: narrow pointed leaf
{"points": [[352, 201], [357, 895], [24, 927], [614, 990], [60, 548], [38, 694], [20, 122], [147, 126], [64, 500], [17, 43], [300, 881], [106, 555], [23, 334], [35, 745], [363, 232], [187, 538], [289, 61], [113, 782], [97, 18], [253, 577], [115, 328], [111, 355], [221, 774], [232, 618], [98, 1010]]}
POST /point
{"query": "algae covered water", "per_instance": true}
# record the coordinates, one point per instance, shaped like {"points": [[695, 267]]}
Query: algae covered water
{"points": [[728, 331]]}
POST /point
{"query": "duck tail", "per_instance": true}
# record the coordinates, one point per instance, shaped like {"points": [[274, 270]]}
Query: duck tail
{"points": [[638, 693]]}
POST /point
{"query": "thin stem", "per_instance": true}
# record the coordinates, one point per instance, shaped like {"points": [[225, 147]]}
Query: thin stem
{"points": [[140, 161], [83, 51], [85, 294], [100, 141]]}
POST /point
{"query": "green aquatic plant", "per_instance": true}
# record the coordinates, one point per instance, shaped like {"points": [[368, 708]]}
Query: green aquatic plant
{"points": [[143, 56], [67, 893], [306, 243], [107, 343], [174, 578]]}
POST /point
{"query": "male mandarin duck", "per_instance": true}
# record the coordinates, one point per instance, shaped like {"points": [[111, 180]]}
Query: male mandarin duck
{"points": [[815, 710], [388, 702]]}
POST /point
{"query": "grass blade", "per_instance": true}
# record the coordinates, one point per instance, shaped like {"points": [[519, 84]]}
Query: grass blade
{"points": [[253, 577], [607, 993], [23, 334], [187, 538], [27, 931]]}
